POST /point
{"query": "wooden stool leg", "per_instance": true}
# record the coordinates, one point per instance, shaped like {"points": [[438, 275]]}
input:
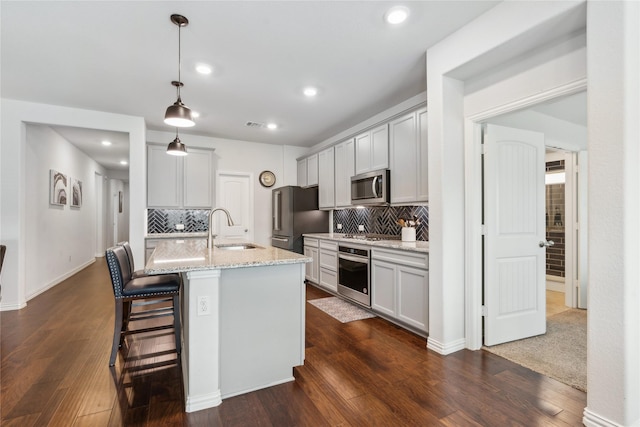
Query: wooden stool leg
{"points": [[176, 322], [117, 332]]}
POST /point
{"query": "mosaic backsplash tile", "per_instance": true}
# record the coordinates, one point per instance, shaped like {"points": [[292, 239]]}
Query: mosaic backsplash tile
{"points": [[376, 220], [165, 220], [381, 220]]}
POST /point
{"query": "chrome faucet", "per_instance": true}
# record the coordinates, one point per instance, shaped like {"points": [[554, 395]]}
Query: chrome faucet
{"points": [[210, 235]]}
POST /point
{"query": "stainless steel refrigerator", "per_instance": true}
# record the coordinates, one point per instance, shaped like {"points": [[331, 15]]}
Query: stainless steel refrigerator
{"points": [[294, 212]]}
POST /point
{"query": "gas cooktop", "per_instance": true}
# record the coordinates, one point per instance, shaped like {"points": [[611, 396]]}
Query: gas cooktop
{"points": [[371, 237]]}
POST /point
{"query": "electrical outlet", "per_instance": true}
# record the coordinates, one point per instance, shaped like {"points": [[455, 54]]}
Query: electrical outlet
{"points": [[361, 228], [204, 305], [339, 226], [179, 226]]}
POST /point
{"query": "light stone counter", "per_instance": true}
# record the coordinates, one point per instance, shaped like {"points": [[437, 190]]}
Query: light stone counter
{"points": [[242, 316], [417, 246], [176, 255]]}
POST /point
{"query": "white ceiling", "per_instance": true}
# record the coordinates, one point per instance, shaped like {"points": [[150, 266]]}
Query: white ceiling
{"points": [[121, 56], [572, 108]]}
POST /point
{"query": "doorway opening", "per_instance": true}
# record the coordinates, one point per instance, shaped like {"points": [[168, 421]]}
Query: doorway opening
{"points": [[561, 284]]}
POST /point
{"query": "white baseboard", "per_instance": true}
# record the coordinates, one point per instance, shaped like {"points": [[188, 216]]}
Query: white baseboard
{"points": [[204, 401], [59, 279], [10, 307], [555, 283], [591, 419], [260, 387], [445, 348]]}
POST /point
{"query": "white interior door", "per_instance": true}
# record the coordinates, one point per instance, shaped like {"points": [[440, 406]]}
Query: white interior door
{"points": [[235, 193], [514, 244]]}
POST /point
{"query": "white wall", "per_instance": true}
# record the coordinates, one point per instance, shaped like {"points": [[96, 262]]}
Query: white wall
{"points": [[13, 180], [613, 344], [491, 61], [612, 67], [252, 157], [546, 67], [557, 133], [60, 240], [121, 219]]}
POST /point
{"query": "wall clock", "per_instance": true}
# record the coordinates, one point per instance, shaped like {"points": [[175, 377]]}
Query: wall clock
{"points": [[267, 178]]}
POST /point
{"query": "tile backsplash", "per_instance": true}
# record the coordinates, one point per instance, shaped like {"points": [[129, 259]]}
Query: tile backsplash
{"points": [[376, 220], [381, 220], [165, 220]]}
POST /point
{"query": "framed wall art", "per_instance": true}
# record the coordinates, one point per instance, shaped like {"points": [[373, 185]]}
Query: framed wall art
{"points": [[76, 193], [57, 188]]}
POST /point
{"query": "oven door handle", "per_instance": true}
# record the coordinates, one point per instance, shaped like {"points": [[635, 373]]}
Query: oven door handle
{"points": [[354, 259]]}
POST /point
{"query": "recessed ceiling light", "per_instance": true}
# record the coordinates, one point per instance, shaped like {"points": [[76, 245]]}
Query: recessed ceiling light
{"points": [[396, 15], [195, 114], [310, 91], [106, 143], [204, 69], [272, 126], [124, 162]]}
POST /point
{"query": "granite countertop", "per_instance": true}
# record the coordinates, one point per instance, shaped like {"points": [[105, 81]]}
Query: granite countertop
{"points": [[176, 255], [176, 235], [417, 246]]}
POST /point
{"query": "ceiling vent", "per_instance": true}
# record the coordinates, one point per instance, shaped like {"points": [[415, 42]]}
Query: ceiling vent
{"points": [[255, 125]]}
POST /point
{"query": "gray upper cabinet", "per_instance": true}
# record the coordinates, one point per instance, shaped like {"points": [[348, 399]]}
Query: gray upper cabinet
{"points": [[179, 182], [198, 179], [312, 170], [326, 179], [302, 172], [164, 187], [408, 157], [308, 171], [344, 170], [372, 150]]}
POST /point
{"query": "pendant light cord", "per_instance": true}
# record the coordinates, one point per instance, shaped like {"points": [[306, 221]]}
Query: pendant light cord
{"points": [[179, 61]]}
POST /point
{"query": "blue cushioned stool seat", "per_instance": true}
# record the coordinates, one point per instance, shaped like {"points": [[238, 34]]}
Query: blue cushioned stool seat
{"points": [[155, 289]]}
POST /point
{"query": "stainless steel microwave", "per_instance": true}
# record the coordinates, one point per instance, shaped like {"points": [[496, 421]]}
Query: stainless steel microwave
{"points": [[371, 188]]}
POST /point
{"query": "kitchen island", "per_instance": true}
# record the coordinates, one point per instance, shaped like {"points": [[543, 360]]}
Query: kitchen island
{"points": [[243, 316]]}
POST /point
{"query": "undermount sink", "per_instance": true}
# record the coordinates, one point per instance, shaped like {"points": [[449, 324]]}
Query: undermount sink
{"points": [[236, 246]]}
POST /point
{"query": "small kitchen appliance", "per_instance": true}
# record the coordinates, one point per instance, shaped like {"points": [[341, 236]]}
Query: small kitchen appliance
{"points": [[294, 212]]}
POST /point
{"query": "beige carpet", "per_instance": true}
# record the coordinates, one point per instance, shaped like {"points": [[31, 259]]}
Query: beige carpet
{"points": [[560, 354], [340, 309]]}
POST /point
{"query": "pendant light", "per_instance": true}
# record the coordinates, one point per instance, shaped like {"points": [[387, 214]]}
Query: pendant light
{"points": [[178, 114], [177, 148]]}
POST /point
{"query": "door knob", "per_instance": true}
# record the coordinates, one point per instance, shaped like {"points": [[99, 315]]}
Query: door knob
{"points": [[546, 243], [246, 230]]}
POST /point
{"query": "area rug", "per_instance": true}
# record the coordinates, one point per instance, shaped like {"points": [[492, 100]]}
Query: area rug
{"points": [[340, 309], [560, 354]]}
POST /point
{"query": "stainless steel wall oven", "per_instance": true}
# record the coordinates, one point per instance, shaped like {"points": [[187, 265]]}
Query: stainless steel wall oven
{"points": [[353, 274]]}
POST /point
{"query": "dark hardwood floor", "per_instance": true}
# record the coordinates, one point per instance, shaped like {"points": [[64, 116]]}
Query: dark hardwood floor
{"points": [[55, 371]]}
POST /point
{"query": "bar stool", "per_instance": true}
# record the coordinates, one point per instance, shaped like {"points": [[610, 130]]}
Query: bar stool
{"points": [[149, 289]]}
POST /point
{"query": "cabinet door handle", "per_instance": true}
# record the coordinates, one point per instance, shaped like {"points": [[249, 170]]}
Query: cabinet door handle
{"points": [[276, 211]]}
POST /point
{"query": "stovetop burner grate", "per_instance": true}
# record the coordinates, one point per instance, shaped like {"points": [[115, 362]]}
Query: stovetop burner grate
{"points": [[371, 237]]}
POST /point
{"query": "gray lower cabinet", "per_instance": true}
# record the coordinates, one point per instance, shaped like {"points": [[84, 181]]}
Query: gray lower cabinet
{"points": [[400, 287], [328, 265], [312, 270]]}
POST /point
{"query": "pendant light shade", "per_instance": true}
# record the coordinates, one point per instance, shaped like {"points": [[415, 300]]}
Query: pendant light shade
{"points": [[177, 148], [178, 114]]}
